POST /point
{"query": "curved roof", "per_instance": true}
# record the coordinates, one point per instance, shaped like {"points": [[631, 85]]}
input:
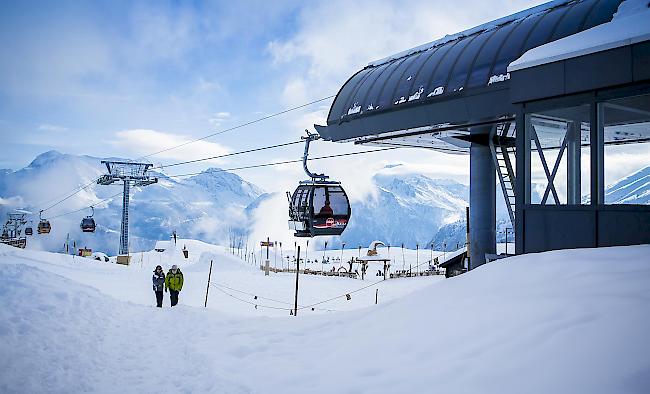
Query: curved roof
{"points": [[458, 79]]}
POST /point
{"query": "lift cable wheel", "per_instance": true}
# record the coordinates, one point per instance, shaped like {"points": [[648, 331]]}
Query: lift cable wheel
{"points": [[318, 206]]}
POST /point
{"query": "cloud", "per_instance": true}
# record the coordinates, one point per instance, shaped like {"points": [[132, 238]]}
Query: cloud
{"points": [[217, 119], [51, 127], [144, 142]]}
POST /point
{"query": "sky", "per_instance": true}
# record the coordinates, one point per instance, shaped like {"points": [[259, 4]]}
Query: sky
{"points": [[125, 79]]}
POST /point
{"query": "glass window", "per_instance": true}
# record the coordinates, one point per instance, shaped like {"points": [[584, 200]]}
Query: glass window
{"points": [[559, 156], [441, 73], [329, 201], [626, 132], [511, 49], [601, 13], [479, 73], [465, 61]]}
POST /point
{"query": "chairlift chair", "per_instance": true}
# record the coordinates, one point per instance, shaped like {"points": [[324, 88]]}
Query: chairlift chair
{"points": [[44, 226], [318, 206], [88, 223]]}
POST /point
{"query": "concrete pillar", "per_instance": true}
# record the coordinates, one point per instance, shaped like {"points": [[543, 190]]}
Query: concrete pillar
{"points": [[482, 202]]}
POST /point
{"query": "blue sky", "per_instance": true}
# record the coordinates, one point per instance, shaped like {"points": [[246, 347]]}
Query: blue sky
{"points": [[122, 78]]}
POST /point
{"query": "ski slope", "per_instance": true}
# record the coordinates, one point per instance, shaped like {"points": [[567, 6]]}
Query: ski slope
{"points": [[563, 321]]}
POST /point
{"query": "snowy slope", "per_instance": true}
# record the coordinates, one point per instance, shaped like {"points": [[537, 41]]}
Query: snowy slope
{"points": [[562, 321]]}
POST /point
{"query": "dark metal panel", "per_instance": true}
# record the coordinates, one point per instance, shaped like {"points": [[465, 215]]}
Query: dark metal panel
{"points": [[483, 64], [386, 96], [641, 61], [574, 19], [601, 13], [624, 226], [533, 83], [551, 228], [511, 49], [441, 74], [362, 91], [421, 79], [598, 70], [371, 101], [343, 95], [545, 28], [402, 88], [463, 66]]}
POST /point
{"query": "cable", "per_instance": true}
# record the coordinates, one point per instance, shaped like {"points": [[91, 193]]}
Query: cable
{"points": [[248, 302], [284, 162], [75, 191], [238, 126], [227, 155], [84, 208], [267, 298], [343, 295]]}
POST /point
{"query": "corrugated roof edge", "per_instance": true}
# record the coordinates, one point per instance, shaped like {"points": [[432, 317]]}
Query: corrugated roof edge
{"points": [[473, 30]]}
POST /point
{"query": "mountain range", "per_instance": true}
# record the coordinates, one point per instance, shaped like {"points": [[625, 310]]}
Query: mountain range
{"points": [[409, 209]]}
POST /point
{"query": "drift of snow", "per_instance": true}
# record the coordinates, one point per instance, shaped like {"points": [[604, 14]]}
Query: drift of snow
{"points": [[563, 321], [630, 25]]}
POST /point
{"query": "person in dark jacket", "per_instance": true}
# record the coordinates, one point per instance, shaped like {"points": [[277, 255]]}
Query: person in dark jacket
{"points": [[174, 282], [158, 280]]}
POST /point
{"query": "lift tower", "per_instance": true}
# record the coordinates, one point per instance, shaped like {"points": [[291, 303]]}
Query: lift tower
{"points": [[130, 174]]}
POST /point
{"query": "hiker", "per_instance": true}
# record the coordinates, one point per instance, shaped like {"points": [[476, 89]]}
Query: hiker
{"points": [[174, 282], [158, 280]]}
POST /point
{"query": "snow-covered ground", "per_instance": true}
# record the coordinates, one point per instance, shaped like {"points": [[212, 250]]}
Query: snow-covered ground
{"points": [[563, 321]]}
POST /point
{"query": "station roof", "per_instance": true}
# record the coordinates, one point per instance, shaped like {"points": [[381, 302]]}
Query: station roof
{"points": [[458, 80]]}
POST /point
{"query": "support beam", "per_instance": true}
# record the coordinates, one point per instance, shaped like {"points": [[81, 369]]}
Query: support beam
{"points": [[482, 197], [574, 194]]}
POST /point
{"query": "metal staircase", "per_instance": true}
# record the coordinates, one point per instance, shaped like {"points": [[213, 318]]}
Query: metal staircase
{"points": [[502, 145]]}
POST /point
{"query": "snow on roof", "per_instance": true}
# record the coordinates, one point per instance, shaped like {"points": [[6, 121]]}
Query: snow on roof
{"points": [[468, 32], [630, 25]]}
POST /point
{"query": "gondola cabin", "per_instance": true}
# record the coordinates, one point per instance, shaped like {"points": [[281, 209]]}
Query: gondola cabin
{"points": [[318, 208], [29, 231], [88, 225], [44, 227]]}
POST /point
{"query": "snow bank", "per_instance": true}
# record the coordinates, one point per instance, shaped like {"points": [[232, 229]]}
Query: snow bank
{"points": [[563, 321], [630, 25]]}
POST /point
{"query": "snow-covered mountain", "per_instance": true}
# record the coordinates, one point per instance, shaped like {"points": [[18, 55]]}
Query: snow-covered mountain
{"points": [[633, 189], [205, 206], [406, 209]]}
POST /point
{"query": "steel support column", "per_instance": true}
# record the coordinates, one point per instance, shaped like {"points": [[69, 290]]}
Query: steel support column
{"points": [[574, 194], [124, 233], [482, 200]]}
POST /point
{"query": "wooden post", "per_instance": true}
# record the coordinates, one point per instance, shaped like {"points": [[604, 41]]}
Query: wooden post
{"points": [[207, 289], [296, 296], [376, 296]]}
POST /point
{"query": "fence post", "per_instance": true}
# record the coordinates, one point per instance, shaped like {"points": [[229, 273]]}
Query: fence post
{"points": [[207, 289], [297, 271]]}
